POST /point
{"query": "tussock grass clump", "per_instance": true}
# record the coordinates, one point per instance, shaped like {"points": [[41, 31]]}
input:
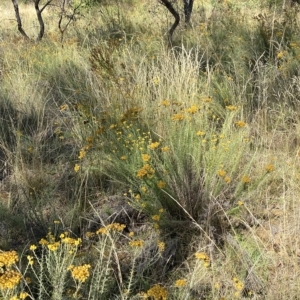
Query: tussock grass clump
{"points": [[132, 170]]}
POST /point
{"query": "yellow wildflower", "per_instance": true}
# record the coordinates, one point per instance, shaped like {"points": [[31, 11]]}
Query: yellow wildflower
{"points": [[102, 230], [161, 184], [155, 80], [8, 258], [80, 273], [231, 107], [82, 154], [136, 244], [193, 109], [221, 173], [124, 157], [116, 227], [9, 279], [146, 170], [177, 117], [246, 179], [76, 168], [161, 246], [269, 168], [23, 295], [32, 247], [54, 246], [165, 149], [238, 284], [156, 217], [227, 179], [30, 260], [43, 242], [204, 257], [154, 145], [144, 189], [200, 133], [157, 292], [145, 157], [281, 54], [180, 283], [240, 124], [165, 103]]}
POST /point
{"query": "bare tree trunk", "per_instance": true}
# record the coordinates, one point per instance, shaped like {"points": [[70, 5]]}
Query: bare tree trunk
{"points": [[39, 12], [39, 16], [175, 14], [188, 8], [19, 21]]}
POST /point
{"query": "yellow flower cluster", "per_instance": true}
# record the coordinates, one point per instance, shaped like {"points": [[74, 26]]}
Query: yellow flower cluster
{"points": [[180, 283], [200, 133], [156, 218], [154, 145], [80, 273], [177, 117], [53, 246], [33, 247], [193, 109], [204, 257], [165, 103], [30, 260], [136, 244], [145, 157], [165, 149], [111, 227], [223, 173], [238, 284], [70, 241], [8, 258], [161, 246], [22, 295], [82, 153], [146, 170], [9, 279], [269, 168], [157, 292], [161, 184], [246, 179], [76, 168], [231, 107], [240, 124]]}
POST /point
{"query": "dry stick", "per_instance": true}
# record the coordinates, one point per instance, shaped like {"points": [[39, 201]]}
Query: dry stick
{"points": [[175, 14]]}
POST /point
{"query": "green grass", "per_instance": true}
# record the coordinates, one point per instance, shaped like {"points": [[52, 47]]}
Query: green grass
{"points": [[194, 149]]}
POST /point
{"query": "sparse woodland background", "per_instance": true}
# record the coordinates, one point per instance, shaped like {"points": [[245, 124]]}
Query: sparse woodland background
{"points": [[141, 159]]}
